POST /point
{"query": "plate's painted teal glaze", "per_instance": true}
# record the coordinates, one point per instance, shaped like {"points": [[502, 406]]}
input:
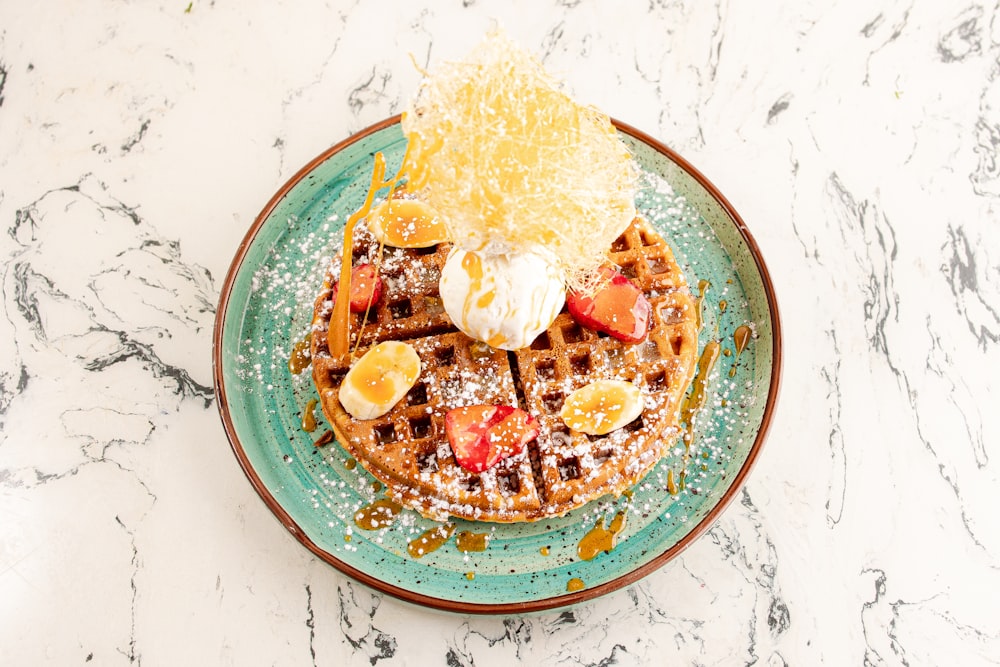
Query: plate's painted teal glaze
{"points": [[266, 308]]}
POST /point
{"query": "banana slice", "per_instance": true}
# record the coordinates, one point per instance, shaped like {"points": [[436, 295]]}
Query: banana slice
{"points": [[602, 406], [379, 379], [407, 223]]}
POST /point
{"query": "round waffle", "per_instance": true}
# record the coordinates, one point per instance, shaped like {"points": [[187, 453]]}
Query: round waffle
{"points": [[407, 449]]}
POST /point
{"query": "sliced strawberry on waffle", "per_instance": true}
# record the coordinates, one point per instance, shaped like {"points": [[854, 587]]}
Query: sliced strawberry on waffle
{"points": [[618, 308], [366, 288], [482, 435]]}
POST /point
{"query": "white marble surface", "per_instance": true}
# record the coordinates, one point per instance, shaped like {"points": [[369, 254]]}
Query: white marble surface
{"points": [[138, 140]]}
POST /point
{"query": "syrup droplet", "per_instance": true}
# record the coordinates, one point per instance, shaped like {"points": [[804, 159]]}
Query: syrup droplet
{"points": [[486, 299], [300, 358], [671, 484], [350, 464], [430, 541], [575, 584], [473, 267], [470, 575], [468, 541], [693, 404], [544, 551], [600, 539], [497, 339], [376, 486], [695, 400], [723, 304], [339, 334], [703, 286], [380, 514], [741, 337], [309, 416], [347, 538]]}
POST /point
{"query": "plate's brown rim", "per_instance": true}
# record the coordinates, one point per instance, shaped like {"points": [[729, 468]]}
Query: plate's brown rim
{"points": [[514, 607]]}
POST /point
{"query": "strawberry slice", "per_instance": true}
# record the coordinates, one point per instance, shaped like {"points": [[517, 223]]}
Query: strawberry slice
{"points": [[366, 288], [482, 435], [618, 308]]}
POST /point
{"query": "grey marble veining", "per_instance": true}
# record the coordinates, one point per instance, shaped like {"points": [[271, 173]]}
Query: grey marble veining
{"points": [[859, 142]]}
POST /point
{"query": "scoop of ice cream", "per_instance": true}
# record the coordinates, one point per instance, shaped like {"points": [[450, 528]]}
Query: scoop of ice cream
{"points": [[504, 300]]}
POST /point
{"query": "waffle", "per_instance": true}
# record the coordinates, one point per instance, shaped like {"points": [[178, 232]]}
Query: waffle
{"points": [[407, 449]]}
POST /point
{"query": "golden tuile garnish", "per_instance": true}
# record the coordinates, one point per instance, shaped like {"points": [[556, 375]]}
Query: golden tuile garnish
{"points": [[514, 164]]}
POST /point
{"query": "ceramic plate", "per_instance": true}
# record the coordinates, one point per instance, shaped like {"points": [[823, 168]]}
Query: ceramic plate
{"points": [[265, 309]]}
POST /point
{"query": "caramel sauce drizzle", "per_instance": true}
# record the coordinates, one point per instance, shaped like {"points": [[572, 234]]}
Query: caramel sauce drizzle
{"points": [[741, 337], [339, 334], [468, 541], [300, 357], [309, 416], [671, 484], [430, 540], [380, 514], [575, 584], [473, 267], [703, 286], [675, 487], [694, 402], [600, 539]]}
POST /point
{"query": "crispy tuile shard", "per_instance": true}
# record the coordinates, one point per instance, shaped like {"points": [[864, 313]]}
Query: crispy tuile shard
{"points": [[514, 164]]}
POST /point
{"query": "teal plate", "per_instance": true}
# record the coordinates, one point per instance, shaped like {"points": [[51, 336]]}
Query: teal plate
{"points": [[266, 308]]}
